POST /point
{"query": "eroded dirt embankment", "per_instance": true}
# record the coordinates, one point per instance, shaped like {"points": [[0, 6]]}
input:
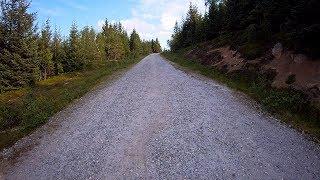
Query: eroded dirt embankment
{"points": [[287, 69]]}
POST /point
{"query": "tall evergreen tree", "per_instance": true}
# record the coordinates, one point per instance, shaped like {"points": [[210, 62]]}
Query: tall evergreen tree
{"points": [[147, 47], [58, 52], [192, 27], [135, 44], [101, 43], [125, 41], [45, 54], [88, 46], [74, 59], [156, 47], [18, 52], [116, 41]]}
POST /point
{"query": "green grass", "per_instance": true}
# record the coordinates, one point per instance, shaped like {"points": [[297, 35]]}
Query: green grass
{"points": [[24, 110], [289, 105]]}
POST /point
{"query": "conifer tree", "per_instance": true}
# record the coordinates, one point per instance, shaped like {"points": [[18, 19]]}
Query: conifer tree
{"points": [[116, 42], [45, 54], [74, 59], [18, 52], [58, 52], [147, 47], [88, 46], [157, 46], [101, 44], [135, 44]]}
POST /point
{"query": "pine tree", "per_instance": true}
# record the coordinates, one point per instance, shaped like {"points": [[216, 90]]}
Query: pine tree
{"points": [[176, 40], [192, 29], [135, 44], [88, 47], [125, 41], [58, 53], [74, 59], [147, 47], [18, 52], [45, 54], [116, 41], [101, 43], [156, 47]]}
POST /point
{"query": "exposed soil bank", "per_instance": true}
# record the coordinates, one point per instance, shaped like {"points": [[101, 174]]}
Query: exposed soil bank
{"points": [[294, 99]]}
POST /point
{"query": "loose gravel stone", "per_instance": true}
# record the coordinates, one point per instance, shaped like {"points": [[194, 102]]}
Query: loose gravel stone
{"points": [[157, 122]]}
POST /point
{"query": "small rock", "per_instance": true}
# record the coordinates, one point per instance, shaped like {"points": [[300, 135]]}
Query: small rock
{"points": [[277, 50]]}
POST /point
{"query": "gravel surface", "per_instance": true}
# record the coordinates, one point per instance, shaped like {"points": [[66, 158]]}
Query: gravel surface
{"points": [[157, 122]]}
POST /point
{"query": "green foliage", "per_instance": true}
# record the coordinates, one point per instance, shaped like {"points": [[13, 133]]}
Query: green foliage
{"points": [[254, 21], [18, 52], [46, 65], [147, 47], [89, 47], [116, 44], [191, 31], [23, 110], [135, 44], [74, 60], [58, 53], [155, 46], [41, 72]]}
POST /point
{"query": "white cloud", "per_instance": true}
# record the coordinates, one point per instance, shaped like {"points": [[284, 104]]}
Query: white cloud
{"points": [[156, 19], [100, 24], [139, 24]]}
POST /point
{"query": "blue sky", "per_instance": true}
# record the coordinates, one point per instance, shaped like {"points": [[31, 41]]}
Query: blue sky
{"points": [[151, 18]]}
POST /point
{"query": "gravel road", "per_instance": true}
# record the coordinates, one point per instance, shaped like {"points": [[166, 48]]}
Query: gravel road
{"points": [[158, 122]]}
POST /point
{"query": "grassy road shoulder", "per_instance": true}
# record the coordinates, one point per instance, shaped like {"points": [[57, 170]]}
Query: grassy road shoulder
{"points": [[288, 105], [24, 110]]}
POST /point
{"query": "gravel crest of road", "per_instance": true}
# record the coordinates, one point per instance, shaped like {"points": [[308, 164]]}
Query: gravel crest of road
{"points": [[157, 122]]}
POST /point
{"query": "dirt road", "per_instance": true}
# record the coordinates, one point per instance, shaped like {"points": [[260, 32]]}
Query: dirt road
{"points": [[157, 122]]}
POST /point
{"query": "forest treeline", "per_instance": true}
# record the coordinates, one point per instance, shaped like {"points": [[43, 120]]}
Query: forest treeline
{"points": [[29, 54], [252, 25]]}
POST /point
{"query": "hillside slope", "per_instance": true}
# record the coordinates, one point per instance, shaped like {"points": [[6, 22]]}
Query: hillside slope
{"points": [[288, 70], [286, 83]]}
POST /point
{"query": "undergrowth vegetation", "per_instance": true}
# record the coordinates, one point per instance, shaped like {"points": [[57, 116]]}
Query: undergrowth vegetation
{"points": [[24, 110], [289, 105]]}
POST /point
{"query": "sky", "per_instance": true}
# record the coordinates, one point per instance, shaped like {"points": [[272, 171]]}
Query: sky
{"points": [[151, 18]]}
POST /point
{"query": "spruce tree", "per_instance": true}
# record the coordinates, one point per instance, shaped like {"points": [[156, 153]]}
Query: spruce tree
{"points": [[135, 44], [74, 59], [88, 47], [58, 53], [18, 52], [45, 54], [115, 41]]}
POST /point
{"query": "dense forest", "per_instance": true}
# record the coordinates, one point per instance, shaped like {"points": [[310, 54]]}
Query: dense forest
{"points": [[253, 25], [29, 54]]}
